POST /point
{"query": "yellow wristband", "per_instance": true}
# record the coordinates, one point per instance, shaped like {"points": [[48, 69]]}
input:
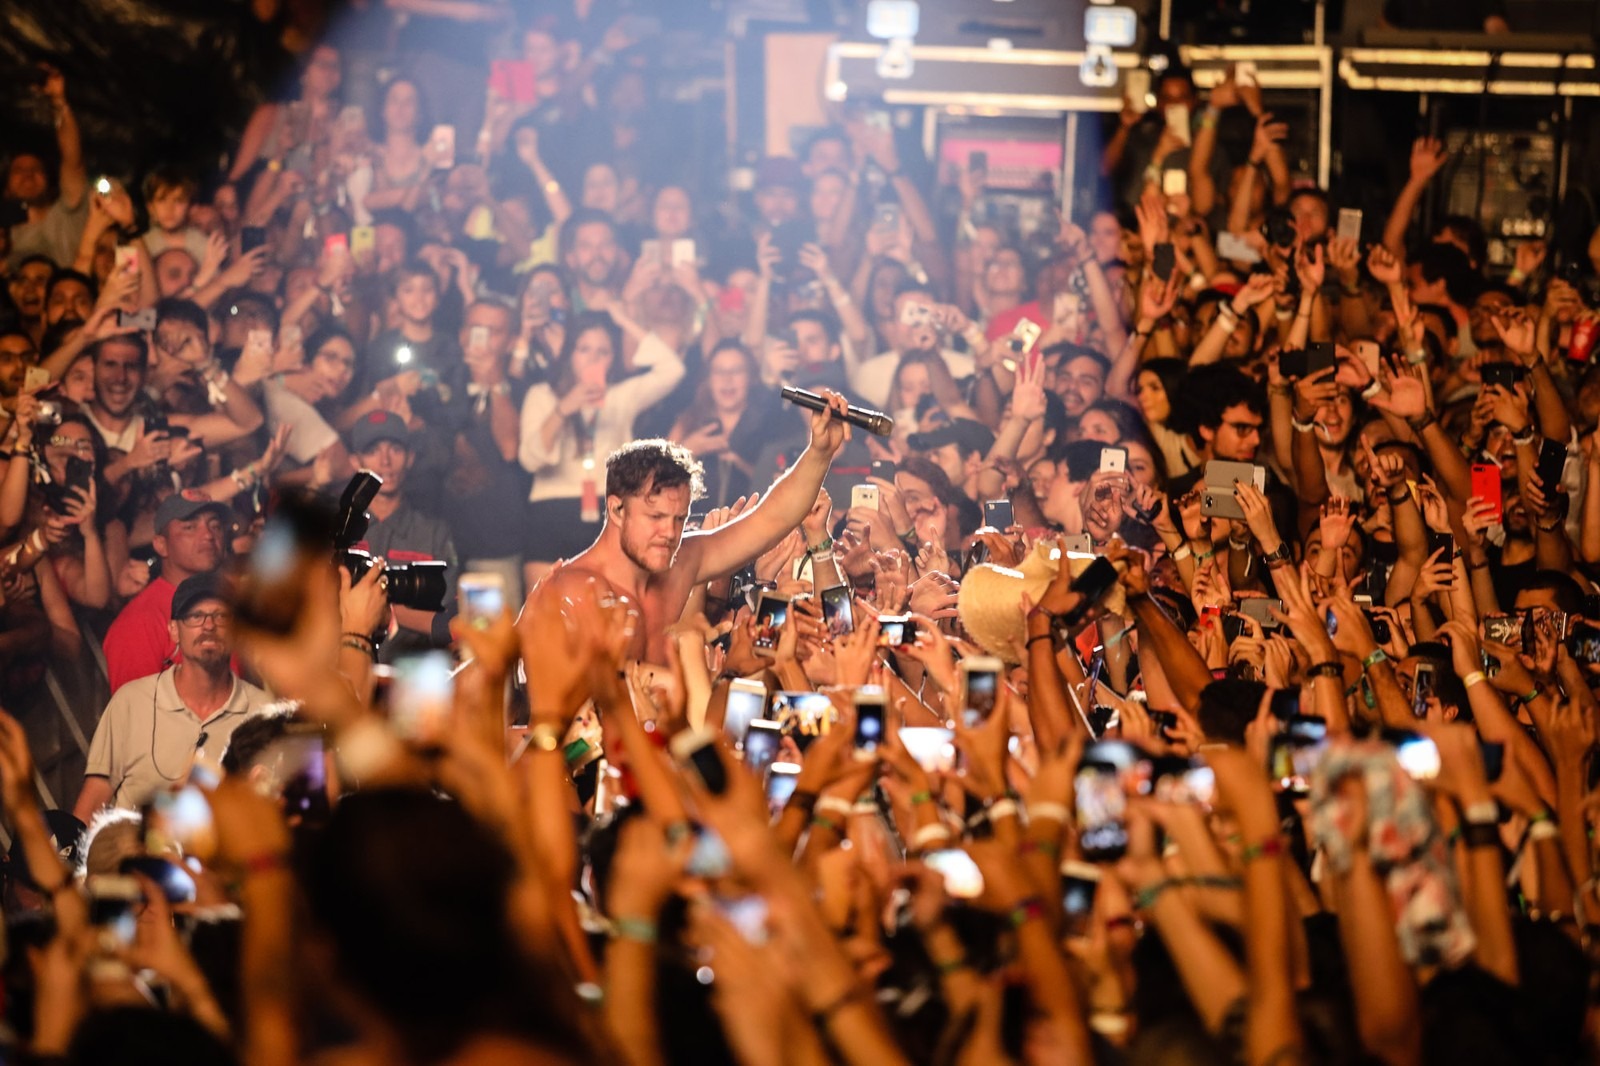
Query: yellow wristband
{"points": [[1473, 678]]}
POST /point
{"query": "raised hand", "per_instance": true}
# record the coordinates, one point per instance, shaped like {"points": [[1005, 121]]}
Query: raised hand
{"points": [[1428, 156], [1384, 267]]}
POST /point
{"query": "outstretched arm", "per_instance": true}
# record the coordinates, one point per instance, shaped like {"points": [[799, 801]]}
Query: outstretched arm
{"points": [[720, 552]]}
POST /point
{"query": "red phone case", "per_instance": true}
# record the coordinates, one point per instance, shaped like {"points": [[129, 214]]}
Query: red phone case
{"points": [[1486, 483]]}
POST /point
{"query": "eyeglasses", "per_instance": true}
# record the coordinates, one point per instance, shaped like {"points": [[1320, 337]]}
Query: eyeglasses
{"points": [[75, 443], [197, 620], [1245, 429]]}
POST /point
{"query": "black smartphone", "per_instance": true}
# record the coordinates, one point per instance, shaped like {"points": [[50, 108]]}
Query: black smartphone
{"points": [[1443, 543], [699, 752], [1096, 581], [1285, 704], [895, 630], [884, 470], [176, 883], [1505, 375], [1079, 884], [1504, 629], [998, 513], [837, 613], [1381, 633], [1232, 626], [1294, 753], [1422, 680], [1164, 260], [1314, 358], [1552, 460], [1583, 641], [1164, 721], [771, 614], [251, 238]]}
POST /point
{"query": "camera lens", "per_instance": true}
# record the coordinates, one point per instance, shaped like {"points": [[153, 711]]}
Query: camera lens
{"points": [[420, 586]]}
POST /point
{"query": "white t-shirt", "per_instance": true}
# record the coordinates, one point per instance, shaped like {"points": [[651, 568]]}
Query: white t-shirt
{"points": [[310, 436]]}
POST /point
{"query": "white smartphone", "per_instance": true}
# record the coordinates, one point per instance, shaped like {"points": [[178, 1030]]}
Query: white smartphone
{"points": [[864, 496], [482, 597], [1138, 89], [1232, 246], [1349, 224], [962, 878], [443, 140], [1177, 116], [1113, 460], [871, 704], [420, 697], [478, 339], [747, 700], [683, 252], [1174, 182]]}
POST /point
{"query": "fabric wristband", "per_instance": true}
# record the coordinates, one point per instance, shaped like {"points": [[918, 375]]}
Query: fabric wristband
{"points": [[1045, 809], [834, 805], [928, 834], [639, 930]]}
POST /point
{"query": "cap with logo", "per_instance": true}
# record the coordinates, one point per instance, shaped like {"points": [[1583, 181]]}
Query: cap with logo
{"points": [[182, 506], [378, 426]]}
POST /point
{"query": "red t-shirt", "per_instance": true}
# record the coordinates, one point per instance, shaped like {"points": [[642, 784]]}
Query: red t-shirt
{"points": [[137, 644]]}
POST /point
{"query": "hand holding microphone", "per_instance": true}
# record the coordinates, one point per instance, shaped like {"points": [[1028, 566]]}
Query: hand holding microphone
{"points": [[869, 420]]}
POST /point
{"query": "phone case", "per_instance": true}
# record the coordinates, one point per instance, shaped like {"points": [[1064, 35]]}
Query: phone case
{"points": [[1113, 460], [864, 496]]}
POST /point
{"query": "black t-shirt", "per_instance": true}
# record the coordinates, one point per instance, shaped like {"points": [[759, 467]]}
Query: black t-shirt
{"points": [[486, 496]]}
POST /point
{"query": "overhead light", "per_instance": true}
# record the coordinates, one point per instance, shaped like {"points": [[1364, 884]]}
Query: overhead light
{"points": [[895, 62], [1114, 27], [1099, 68]]}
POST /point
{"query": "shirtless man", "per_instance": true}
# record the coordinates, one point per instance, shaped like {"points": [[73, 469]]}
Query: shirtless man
{"points": [[642, 553]]}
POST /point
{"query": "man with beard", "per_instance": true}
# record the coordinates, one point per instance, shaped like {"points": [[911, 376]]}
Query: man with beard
{"points": [[590, 251], [1082, 498], [69, 297], [188, 540], [155, 728], [642, 552], [916, 331]]}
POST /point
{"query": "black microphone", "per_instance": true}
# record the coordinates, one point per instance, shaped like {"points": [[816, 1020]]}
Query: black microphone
{"points": [[869, 420]]}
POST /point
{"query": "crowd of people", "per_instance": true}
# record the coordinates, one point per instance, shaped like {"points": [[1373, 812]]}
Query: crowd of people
{"points": [[496, 668]]}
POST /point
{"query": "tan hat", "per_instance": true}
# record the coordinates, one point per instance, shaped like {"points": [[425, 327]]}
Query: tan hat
{"points": [[990, 600]]}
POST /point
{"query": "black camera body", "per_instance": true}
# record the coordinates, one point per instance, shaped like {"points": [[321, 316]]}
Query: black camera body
{"points": [[419, 585]]}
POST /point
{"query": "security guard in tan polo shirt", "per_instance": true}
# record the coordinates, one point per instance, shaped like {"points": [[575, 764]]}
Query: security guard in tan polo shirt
{"points": [[155, 727]]}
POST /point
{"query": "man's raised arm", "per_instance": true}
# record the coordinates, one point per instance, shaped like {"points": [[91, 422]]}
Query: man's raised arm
{"points": [[725, 549]]}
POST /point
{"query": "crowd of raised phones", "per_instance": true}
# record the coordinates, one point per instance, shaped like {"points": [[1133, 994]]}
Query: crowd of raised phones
{"points": [[1200, 671]]}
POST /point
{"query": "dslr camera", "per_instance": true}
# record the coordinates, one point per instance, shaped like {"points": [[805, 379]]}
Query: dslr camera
{"points": [[419, 585]]}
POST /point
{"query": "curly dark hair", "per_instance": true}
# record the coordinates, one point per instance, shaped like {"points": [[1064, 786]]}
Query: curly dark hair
{"points": [[642, 467]]}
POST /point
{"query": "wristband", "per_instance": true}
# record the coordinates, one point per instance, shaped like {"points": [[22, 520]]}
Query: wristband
{"points": [[1473, 678], [1056, 812], [1543, 828], [1180, 553], [1420, 423], [639, 930], [1201, 557], [833, 805], [1480, 834], [1002, 808], [951, 966], [364, 649], [1328, 669], [824, 548], [1377, 656], [1025, 911], [929, 834], [1525, 438], [1302, 427], [1371, 390], [1270, 848], [922, 796]]}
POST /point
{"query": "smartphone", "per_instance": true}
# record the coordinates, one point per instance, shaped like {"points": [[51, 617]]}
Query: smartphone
{"points": [[782, 777], [363, 240], [1113, 460], [1024, 335], [1164, 721], [864, 496], [884, 470], [443, 142], [1487, 484], [1260, 609], [1177, 118], [1382, 632], [1349, 224], [998, 514], [708, 857], [1233, 247], [1504, 629], [126, 259], [1216, 497], [251, 238], [1583, 641], [481, 597], [1102, 804], [870, 705], [886, 217], [1552, 461], [178, 821], [895, 630], [803, 715], [1294, 752], [1080, 881], [420, 697], [747, 701], [37, 377], [176, 883], [1079, 544], [114, 902], [1165, 258], [761, 743], [698, 751], [1314, 358], [1174, 182], [1503, 375], [1094, 584], [771, 614], [1137, 89], [683, 252], [962, 878], [932, 747], [980, 688], [650, 251], [837, 613], [1417, 754], [259, 342], [747, 915], [1422, 682], [299, 766]]}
